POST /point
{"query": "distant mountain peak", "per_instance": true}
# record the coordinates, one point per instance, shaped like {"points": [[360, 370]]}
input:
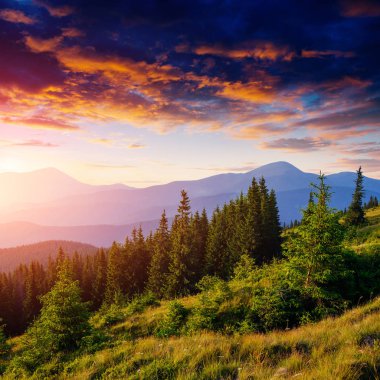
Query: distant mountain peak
{"points": [[277, 168]]}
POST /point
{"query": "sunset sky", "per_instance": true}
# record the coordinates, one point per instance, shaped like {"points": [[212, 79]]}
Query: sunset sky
{"points": [[145, 92]]}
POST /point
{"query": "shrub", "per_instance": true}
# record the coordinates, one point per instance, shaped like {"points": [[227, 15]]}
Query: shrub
{"points": [[205, 314], [108, 316], [174, 320], [140, 303]]}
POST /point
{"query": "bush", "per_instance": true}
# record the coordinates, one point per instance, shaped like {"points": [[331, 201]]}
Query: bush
{"points": [[140, 303], [205, 315], [93, 342], [108, 316], [174, 320]]}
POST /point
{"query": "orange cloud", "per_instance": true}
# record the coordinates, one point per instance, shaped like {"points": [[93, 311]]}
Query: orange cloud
{"points": [[256, 131], [258, 93], [72, 32], [15, 16], [326, 53], [261, 50], [39, 45], [110, 88], [40, 123], [55, 11]]}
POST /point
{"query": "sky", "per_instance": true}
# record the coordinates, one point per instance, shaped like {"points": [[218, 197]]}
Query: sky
{"points": [[149, 92]]}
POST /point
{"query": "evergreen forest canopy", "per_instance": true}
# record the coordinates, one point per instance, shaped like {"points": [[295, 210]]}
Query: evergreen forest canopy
{"points": [[277, 279]]}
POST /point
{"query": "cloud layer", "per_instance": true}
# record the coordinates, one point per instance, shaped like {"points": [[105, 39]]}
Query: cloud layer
{"points": [[292, 75]]}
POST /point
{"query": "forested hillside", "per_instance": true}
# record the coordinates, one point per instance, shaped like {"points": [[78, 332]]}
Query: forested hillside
{"points": [[10, 258], [141, 309]]}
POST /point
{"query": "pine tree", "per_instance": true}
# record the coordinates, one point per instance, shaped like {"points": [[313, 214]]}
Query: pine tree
{"points": [[217, 257], [31, 303], [236, 240], [274, 228], [99, 285], [179, 278], [199, 232], [159, 266], [253, 236], [63, 321], [314, 249], [113, 284], [355, 213], [373, 202]]}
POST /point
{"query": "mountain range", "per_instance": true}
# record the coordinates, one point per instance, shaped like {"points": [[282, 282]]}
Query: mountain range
{"points": [[48, 204]]}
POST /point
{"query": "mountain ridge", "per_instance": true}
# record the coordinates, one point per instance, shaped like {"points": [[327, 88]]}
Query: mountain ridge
{"points": [[121, 207]]}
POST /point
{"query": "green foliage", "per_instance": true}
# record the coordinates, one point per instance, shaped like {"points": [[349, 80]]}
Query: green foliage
{"points": [[315, 252], [109, 315], [62, 324], [4, 346], [159, 265], [140, 303], [214, 292], [244, 268], [179, 277], [113, 283], [372, 203], [174, 321], [355, 213]]}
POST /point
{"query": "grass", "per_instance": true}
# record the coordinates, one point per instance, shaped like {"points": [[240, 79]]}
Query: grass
{"points": [[347, 347], [367, 238]]}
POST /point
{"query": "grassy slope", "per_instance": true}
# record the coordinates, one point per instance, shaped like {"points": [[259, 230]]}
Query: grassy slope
{"points": [[347, 347], [368, 238]]}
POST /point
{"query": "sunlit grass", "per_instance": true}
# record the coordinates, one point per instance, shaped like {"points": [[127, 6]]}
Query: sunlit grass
{"points": [[347, 347]]}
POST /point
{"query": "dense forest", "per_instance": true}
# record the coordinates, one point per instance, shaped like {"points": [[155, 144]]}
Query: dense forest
{"points": [[168, 263], [277, 279]]}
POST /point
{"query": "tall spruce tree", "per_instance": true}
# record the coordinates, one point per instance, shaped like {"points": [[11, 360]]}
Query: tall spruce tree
{"points": [[253, 234], [217, 257], [62, 324], [274, 228], [138, 262], [99, 283], [314, 249], [355, 214], [159, 265], [113, 290], [179, 278], [199, 232]]}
